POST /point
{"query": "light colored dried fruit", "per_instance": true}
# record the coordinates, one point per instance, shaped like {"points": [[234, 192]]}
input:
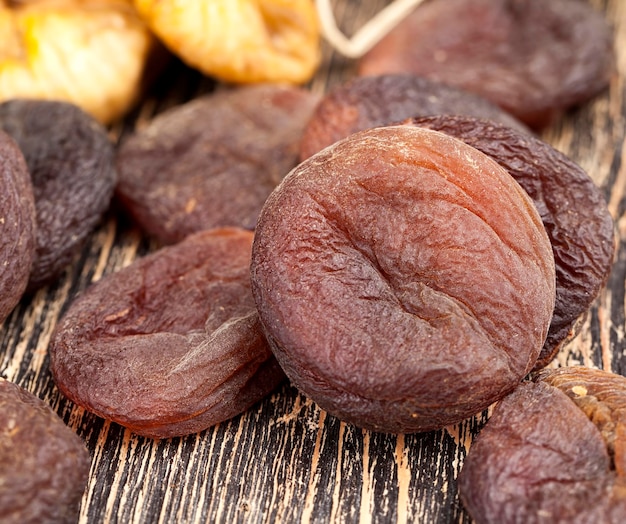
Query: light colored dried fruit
{"points": [[240, 41], [88, 52]]}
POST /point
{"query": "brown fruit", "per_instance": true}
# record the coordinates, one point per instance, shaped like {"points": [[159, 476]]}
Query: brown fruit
{"points": [[372, 101], [171, 344], [544, 457], [71, 163], [44, 465], [531, 57], [213, 161], [602, 397], [404, 279], [17, 225], [572, 208]]}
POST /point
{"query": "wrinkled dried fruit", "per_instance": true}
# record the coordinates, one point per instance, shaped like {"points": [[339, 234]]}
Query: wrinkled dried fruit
{"points": [[91, 53], [171, 344], [72, 166], [602, 397], [241, 41], [572, 208], [404, 279], [17, 225], [44, 465], [531, 57], [543, 458], [213, 161], [372, 101]]}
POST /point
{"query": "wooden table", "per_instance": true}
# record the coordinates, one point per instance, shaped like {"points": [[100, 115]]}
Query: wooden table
{"points": [[285, 460]]}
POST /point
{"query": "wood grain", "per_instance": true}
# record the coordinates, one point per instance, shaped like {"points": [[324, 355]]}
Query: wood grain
{"points": [[286, 460]]}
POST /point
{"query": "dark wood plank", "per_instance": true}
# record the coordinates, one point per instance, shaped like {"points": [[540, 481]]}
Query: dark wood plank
{"points": [[286, 460]]}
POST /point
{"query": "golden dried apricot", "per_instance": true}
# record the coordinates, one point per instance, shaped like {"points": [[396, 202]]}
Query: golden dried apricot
{"points": [[404, 279], [92, 53], [240, 41]]}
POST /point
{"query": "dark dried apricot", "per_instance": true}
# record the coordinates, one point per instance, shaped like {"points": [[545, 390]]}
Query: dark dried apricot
{"points": [[404, 279], [17, 225], [71, 162], [531, 57], [572, 208], [372, 101], [171, 344], [44, 465], [543, 458], [213, 161]]}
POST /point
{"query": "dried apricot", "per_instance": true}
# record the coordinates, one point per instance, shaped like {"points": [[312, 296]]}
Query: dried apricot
{"points": [[403, 278], [572, 208], [602, 397], [213, 161], [17, 225], [372, 101], [543, 458], [240, 41], [44, 465], [92, 53], [72, 166], [171, 344], [531, 57]]}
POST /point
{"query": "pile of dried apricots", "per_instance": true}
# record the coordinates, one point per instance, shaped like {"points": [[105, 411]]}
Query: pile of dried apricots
{"points": [[405, 249]]}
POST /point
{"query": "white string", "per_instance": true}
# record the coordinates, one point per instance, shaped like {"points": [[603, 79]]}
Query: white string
{"points": [[370, 34]]}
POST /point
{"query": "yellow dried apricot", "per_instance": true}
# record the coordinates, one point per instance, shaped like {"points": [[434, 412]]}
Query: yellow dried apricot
{"points": [[240, 41], [91, 52]]}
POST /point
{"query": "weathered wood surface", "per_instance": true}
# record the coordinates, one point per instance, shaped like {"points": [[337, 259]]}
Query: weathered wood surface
{"points": [[286, 460]]}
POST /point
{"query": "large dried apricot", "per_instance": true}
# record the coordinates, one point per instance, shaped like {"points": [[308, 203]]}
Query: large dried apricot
{"points": [[171, 344], [572, 208], [213, 161], [44, 465], [17, 225], [404, 279], [543, 458], [72, 166], [372, 101], [531, 57]]}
